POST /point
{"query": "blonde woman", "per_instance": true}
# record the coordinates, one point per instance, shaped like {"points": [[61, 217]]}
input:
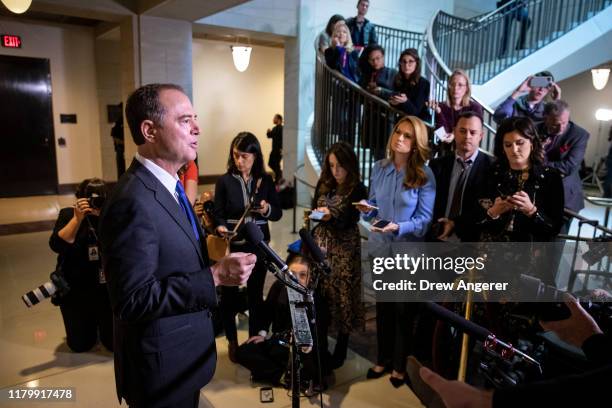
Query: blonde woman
{"points": [[340, 55], [403, 189], [458, 94]]}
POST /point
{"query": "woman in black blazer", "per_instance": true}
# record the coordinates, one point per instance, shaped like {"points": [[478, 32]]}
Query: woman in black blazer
{"points": [[411, 90], [244, 183]]}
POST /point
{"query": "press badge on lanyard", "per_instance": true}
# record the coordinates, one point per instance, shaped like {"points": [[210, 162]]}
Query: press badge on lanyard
{"points": [[94, 253]]}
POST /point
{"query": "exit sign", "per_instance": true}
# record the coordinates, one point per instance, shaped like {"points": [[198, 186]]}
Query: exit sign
{"points": [[11, 41]]}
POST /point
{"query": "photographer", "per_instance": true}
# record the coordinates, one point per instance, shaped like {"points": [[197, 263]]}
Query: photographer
{"points": [[529, 98], [85, 308], [583, 390]]}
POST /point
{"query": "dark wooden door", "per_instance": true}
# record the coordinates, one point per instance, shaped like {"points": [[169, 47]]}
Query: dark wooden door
{"points": [[27, 143]]}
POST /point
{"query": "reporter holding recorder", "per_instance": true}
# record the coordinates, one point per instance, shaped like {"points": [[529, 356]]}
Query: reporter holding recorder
{"points": [[86, 309], [404, 189], [244, 184], [338, 234]]}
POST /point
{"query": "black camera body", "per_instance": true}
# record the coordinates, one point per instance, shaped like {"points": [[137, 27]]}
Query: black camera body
{"points": [[94, 190]]}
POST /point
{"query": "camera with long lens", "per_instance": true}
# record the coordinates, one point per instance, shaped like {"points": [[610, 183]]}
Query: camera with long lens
{"points": [[57, 286], [95, 193]]}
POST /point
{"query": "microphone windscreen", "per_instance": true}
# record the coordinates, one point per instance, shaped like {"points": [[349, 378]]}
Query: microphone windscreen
{"points": [[458, 322], [313, 248], [253, 233]]}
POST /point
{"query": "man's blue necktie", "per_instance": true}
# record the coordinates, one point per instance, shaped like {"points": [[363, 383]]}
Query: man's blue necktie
{"points": [[182, 198]]}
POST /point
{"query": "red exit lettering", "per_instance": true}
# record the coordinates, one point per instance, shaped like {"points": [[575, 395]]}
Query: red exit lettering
{"points": [[11, 41]]}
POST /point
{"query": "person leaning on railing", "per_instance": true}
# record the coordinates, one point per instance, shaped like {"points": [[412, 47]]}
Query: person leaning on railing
{"points": [[458, 101], [340, 55], [530, 105], [343, 58], [411, 91]]}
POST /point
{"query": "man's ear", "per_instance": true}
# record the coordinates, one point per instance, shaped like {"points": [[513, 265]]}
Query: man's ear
{"points": [[148, 130]]}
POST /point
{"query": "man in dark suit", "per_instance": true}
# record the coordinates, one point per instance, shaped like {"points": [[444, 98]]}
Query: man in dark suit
{"points": [[459, 180], [564, 145], [156, 262]]}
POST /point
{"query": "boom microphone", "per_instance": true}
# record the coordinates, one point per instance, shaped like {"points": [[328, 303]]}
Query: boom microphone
{"points": [[315, 251], [490, 341], [459, 322], [255, 237]]}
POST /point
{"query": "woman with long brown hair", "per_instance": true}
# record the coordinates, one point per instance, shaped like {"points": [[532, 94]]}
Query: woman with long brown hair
{"points": [[339, 186]]}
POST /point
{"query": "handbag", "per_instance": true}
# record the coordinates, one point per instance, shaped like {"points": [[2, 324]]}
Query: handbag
{"points": [[219, 247]]}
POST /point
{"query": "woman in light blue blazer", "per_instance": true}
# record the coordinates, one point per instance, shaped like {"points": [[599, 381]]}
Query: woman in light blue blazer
{"points": [[403, 190]]}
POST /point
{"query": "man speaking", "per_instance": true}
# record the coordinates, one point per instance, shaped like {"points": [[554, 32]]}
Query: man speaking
{"points": [[156, 262]]}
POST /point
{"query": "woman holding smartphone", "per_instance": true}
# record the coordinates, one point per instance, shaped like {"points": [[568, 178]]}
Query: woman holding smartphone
{"points": [[338, 187], [523, 201], [402, 194], [245, 184]]}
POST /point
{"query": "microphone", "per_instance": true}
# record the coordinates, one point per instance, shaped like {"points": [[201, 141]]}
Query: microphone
{"points": [[254, 236], [459, 322], [315, 251], [490, 341]]}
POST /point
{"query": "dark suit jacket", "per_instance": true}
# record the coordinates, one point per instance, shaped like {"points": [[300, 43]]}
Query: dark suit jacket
{"points": [[476, 183], [161, 290], [565, 155]]}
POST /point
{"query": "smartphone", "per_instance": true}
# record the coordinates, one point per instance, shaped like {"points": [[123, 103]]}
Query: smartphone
{"points": [[380, 223], [266, 394], [540, 82], [256, 207], [316, 215]]}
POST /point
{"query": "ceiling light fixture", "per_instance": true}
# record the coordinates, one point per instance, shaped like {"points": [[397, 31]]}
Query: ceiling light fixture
{"points": [[242, 56], [600, 77], [17, 6]]}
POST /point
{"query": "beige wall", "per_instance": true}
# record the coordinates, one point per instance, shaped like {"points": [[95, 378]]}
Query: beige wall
{"points": [[108, 75], [584, 100], [228, 101], [73, 80]]}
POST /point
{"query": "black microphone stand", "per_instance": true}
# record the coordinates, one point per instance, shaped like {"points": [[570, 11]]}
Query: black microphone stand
{"points": [[301, 305]]}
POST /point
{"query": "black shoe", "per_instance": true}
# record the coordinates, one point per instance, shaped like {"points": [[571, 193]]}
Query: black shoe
{"points": [[336, 362], [397, 382], [371, 374]]}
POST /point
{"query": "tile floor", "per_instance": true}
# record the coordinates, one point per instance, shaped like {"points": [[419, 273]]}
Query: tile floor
{"points": [[33, 351]]}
